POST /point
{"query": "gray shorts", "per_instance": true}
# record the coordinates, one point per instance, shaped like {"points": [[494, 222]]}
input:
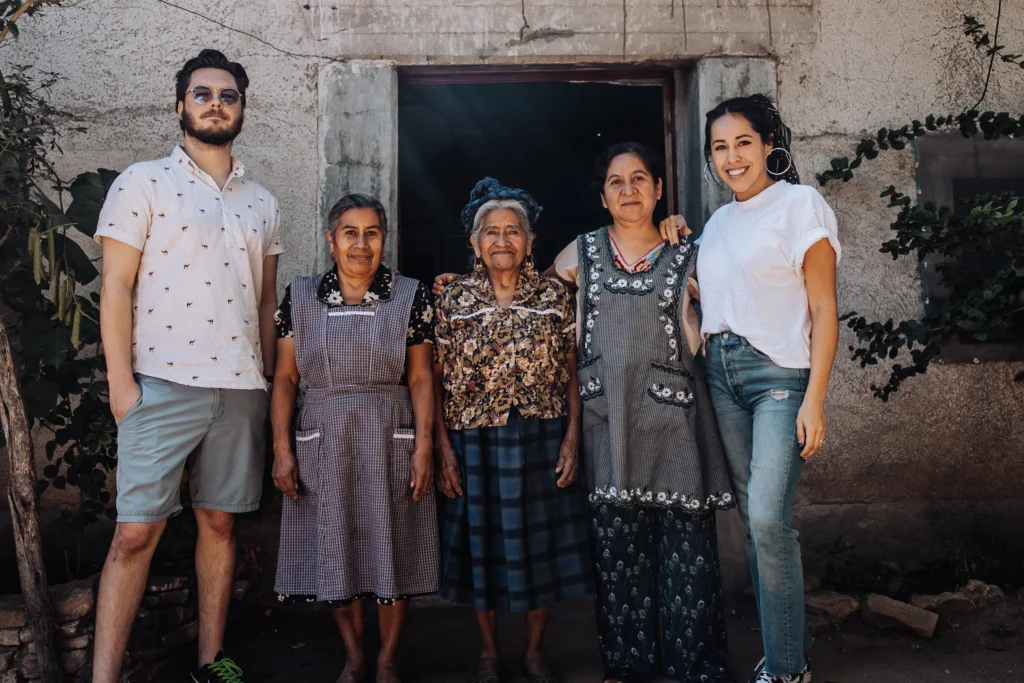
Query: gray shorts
{"points": [[217, 432]]}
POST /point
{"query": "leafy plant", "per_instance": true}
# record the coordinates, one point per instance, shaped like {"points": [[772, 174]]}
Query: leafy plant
{"points": [[53, 323], [980, 254]]}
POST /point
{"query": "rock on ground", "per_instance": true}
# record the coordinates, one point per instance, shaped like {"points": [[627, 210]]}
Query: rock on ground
{"points": [[832, 606], [882, 612]]}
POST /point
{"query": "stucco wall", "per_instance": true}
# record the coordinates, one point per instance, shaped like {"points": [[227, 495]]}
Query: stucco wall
{"points": [[842, 67]]}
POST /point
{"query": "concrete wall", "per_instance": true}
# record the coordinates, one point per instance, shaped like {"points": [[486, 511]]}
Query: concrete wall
{"points": [[841, 67]]}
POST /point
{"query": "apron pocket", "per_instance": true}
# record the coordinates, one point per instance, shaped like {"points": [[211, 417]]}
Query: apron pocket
{"points": [[668, 397], [403, 441], [307, 456]]}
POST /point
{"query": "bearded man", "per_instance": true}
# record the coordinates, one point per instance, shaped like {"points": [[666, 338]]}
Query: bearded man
{"points": [[190, 249]]}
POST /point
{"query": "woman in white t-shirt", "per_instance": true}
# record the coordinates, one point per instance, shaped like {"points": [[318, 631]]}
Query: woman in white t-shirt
{"points": [[767, 274]]}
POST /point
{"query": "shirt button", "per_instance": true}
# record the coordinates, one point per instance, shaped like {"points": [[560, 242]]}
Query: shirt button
{"points": [[725, 335]]}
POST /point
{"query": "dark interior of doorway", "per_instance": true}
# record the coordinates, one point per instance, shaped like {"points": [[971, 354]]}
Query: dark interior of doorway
{"points": [[541, 136]]}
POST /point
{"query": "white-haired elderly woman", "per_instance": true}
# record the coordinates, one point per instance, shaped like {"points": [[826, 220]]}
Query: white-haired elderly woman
{"points": [[359, 519], [514, 532]]}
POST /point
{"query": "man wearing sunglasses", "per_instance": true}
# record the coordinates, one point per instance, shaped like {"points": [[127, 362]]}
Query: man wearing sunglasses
{"points": [[190, 248]]}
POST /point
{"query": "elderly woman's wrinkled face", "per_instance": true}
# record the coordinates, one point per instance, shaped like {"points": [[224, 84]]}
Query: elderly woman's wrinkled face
{"points": [[357, 243], [630, 190], [502, 242]]}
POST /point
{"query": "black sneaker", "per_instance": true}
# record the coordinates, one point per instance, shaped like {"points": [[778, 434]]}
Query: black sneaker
{"points": [[762, 676], [221, 670]]}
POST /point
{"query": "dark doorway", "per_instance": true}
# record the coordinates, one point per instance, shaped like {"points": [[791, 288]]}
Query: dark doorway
{"points": [[541, 136]]}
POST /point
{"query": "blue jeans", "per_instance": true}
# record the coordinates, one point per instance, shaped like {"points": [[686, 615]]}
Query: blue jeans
{"points": [[756, 403]]}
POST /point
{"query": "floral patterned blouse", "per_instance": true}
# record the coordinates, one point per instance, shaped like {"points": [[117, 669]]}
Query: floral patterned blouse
{"points": [[421, 317], [494, 358]]}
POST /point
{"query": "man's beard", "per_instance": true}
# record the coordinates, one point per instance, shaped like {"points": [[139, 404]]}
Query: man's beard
{"points": [[214, 138]]}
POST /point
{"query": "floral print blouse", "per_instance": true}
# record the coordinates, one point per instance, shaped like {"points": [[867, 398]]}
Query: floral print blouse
{"points": [[421, 317], [494, 358]]}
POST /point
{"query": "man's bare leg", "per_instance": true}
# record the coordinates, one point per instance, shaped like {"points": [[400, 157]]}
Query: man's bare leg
{"points": [[215, 575], [122, 585]]}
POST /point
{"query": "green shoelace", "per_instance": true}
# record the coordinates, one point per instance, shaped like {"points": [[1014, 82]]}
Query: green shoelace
{"points": [[227, 670]]}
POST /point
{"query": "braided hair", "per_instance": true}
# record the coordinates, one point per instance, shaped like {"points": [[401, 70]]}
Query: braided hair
{"points": [[489, 189], [760, 111]]}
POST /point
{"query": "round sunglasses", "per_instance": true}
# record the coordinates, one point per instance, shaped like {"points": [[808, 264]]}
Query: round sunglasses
{"points": [[203, 94]]}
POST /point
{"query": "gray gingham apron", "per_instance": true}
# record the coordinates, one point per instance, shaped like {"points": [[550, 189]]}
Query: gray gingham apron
{"points": [[649, 430], [355, 529]]}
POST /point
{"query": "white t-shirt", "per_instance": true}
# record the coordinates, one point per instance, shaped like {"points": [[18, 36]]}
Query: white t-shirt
{"points": [[750, 269], [196, 300]]}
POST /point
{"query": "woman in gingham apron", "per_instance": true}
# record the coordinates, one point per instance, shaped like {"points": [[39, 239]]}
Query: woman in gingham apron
{"points": [[514, 535], [359, 518]]}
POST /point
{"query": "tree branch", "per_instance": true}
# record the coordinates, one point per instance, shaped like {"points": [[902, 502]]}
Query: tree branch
{"points": [[27, 7]]}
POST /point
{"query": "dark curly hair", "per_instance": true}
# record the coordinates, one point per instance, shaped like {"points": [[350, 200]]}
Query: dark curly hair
{"points": [[490, 189], [765, 119], [651, 160], [210, 59]]}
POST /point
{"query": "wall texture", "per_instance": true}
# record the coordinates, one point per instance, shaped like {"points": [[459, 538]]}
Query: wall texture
{"points": [[842, 68]]}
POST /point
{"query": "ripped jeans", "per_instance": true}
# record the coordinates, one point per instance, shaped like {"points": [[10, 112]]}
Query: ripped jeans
{"points": [[756, 403]]}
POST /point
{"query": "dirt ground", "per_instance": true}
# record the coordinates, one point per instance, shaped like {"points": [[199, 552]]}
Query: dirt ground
{"points": [[300, 644]]}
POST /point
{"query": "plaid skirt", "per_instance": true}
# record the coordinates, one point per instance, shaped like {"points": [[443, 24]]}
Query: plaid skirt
{"points": [[514, 540]]}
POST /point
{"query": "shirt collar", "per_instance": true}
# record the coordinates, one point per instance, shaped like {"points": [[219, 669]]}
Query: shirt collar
{"points": [[329, 290], [180, 156], [478, 283]]}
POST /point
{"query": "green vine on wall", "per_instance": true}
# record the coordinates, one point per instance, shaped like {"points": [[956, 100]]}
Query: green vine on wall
{"points": [[979, 253]]}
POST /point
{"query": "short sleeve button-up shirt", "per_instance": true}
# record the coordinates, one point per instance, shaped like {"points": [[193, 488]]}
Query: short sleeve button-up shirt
{"points": [[197, 293]]}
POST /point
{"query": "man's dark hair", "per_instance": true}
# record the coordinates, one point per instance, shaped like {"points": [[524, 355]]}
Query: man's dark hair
{"points": [[356, 201], [650, 159], [210, 59]]}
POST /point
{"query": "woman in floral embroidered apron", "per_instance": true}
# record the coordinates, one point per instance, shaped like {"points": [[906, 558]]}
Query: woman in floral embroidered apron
{"points": [[359, 517], [652, 453]]}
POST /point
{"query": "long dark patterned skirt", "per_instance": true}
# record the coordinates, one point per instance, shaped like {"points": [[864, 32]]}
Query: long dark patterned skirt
{"points": [[514, 540], [659, 596]]}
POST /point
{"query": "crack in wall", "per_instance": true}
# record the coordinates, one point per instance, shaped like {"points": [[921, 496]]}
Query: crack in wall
{"points": [[545, 34], [625, 17], [526, 24]]}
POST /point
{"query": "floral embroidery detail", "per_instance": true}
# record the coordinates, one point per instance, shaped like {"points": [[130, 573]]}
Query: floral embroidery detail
{"points": [[669, 298], [592, 389], [663, 499], [673, 397], [593, 270], [638, 285], [421, 316], [495, 358]]}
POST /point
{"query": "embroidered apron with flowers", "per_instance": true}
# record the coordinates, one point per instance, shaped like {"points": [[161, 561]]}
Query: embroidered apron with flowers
{"points": [[355, 529]]}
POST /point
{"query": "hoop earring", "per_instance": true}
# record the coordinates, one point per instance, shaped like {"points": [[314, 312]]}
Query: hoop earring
{"points": [[704, 172], [528, 264], [789, 157], [478, 265]]}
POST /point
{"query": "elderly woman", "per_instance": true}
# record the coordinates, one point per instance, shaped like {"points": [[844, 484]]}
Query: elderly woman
{"points": [[359, 519], [514, 534]]}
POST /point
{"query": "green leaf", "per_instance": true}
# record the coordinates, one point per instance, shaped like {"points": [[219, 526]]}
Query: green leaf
{"points": [[88, 192], [84, 269], [13, 28]]}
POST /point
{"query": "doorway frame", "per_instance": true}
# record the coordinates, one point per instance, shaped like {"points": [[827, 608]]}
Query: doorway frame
{"points": [[615, 75]]}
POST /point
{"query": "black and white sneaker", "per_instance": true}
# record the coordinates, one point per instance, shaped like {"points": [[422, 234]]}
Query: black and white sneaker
{"points": [[762, 676], [220, 670]]}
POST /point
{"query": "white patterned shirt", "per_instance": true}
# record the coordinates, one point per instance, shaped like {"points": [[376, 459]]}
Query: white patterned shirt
{"points": [[196, 297]]}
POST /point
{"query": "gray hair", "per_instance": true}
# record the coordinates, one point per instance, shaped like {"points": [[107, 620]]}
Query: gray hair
{"points": [[489, 207], [356, 201]]}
